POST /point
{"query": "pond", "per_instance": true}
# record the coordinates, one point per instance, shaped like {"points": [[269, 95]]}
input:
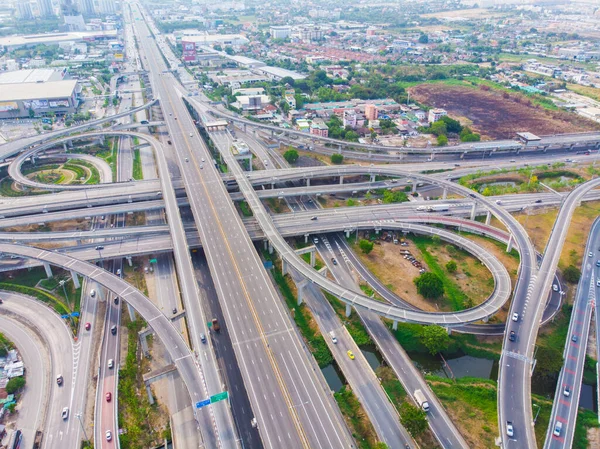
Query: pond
{"points": [[333, 376], [457, 366]]}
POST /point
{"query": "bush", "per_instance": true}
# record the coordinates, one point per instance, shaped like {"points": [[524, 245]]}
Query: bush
{"points": [[572, 274], [429, 285], [337, 158], [15, 384], [435, 339], [442, 140], [365, 246], [291, 156], [413, 418], [451, 266]]}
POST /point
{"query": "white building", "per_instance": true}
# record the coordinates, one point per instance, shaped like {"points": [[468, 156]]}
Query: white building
{"points": [[45, 8], [280, 32], [436, 114], [107, 6], [24, 10]]}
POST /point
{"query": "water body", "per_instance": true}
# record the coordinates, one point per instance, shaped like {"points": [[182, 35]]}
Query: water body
{"points": [[333, 376], [457, 366]]}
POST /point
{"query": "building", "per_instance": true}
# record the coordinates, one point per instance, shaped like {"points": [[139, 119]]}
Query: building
{"points": [[435, 115], [18, 99], [277, 73], [213, 39], [280, 32], [251, 103], [14, 42], [32, 76], [303, 125], [371, 112], [319, 128], [45, 8], [107, 6], [311, 33], [249, 91], [87, 7], [24, 10]]}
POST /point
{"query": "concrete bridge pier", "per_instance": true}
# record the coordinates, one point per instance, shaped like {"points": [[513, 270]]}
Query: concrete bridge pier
{"points": [[284, 267], [306, 238], [65, 147], [244, 128], [270, 248], [307, 182], [143, 336], [75, 279], [129, 260], [510, 244], [473, 211], [488, 217], [445, 193], [149, 393], [131, 312], [414, 187], [266, 244], [347, 231], [341, 179], [372, 178], [348, 310], [395, 325], [48, 269], [545, 148], [340, 148], [486, 319], [272, 133], [449, 330]]}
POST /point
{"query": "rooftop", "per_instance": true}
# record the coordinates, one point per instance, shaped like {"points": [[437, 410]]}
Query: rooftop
{"points": [[34, 91], [29, 76], [34, 39]]}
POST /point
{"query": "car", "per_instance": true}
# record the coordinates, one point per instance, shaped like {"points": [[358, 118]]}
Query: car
{"points": [[333, 338], [350, 354], [314, 218], [88, 326], [334, 261], [174, 310], [555, 287], [515, 316], [108, 396], [99, 248], [59, 379], [590, 254], [116, 300], [201, 166], [510, 431], [111, 363], [186, 159], [202, 159], [538, 201], [498, 202], [169, 142], [512, 160], [566, 391], [171, 114], [65, 413], [113, 329], [118, 272], [598, 263], [203, 338], [598, 283], [557, 428], [457, 165], [191, 134], [574, 338], [108, 435], [315, 240], [472, 195], [512, 336], [92, 293]]}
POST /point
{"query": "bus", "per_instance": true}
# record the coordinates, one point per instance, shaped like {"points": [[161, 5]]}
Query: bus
{"points": [[15, 440]]}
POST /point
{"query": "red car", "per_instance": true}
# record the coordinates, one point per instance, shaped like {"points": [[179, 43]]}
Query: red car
{"points": [[88, 326], [108, 396]]}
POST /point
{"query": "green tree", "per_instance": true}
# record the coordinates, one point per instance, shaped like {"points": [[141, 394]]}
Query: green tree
{"points": [[453, 126], [380, 445], [572, 274], [365, 246], [451, 266], [438, 128], [414, 419], [337, 158], [423, 39], [229, 50], [435, 338], [429, 285], [549, 361], [442, 140], [394, 197], [291, 156], [15, 384]]}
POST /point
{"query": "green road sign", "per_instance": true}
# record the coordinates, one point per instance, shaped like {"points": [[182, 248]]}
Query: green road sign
{"points": [[209, 324], [153, 261], [219, 397]]}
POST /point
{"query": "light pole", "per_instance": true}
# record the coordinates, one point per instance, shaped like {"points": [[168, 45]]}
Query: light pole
{"points": [[82, 428]]}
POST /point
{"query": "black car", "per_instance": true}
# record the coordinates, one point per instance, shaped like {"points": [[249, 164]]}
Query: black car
{"points": [[512, 336], [538, 201], [99, 248], [117, 300], [113, 329]]}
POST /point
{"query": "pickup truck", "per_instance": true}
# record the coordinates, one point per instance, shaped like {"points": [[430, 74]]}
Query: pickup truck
{"points": [[215, 325]]}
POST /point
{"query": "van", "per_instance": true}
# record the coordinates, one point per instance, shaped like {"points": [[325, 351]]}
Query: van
{"points": [[333, 337], [93, 293]]}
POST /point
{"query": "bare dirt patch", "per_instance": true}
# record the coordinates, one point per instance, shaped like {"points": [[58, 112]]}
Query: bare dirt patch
{"points": [[497, 114]]}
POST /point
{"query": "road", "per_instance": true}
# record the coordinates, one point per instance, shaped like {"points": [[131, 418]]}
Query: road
{"points": [[565, 407]]}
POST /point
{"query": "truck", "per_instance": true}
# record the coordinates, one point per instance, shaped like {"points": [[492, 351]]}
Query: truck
{"points": [[215, 325], [421, 400], [37, 443], [438, 208]]}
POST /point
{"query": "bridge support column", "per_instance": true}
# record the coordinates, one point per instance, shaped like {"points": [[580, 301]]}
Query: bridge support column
{"points": [[372, 178], [449, 330], [265, 244], [312, 259], [486, 319], [131, 312], [270, 248], [75, 279], [545, 149], [377, 231], [284, 268], [510, 244], [340, 148], [341, 179], [445, 193], [244, 128], [65, 147], [272, 185], [395, 325], [488, 217], [48, 269], [129, 261], [149, 393], [473, 211], [348, 310], [272, 133], [306, 238], [414, 187], [307, 182]]}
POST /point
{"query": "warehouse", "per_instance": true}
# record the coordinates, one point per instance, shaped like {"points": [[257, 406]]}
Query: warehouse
{"points": [[19, 99]]}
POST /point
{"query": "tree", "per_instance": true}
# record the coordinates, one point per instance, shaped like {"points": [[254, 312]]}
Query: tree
{"points": [[572, 274], [423, 39], [442, 140], [229, 50], [291, 156], [429, 285], [414, 419], [438, 128], [15, 384], [451, 266], [337, 158], [549, 361], [453, 126], [288, 80], [394, 197], [365, 246], [435, 338]]}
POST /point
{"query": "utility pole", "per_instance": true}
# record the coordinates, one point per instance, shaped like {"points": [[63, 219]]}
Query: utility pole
{"points": [[82, 428]]}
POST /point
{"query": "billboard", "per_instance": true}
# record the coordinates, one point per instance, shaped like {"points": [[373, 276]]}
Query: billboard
{"points": [[59, 103], [119, 56], [39, 104], [6, 106], [189, 46]]}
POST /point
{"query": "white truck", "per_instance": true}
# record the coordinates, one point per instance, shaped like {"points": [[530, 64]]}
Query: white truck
{"points": [[438, 208], [421, 400]]}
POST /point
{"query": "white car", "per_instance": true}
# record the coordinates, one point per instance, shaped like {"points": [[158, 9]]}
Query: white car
{"points": [[65, 413], [111, 363], [515, 316], [108, 435], [555, 287], [509, 429]]}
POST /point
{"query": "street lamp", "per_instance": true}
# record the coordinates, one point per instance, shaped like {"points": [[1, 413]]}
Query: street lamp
{"points": [[82, 428]]}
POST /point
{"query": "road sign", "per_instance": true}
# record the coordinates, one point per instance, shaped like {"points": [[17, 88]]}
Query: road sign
{"points": [[219, 397], [153, 261], [209, 324], [203, 403]]}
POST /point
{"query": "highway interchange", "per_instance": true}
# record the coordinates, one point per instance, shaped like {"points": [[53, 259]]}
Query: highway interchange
{"points": [[289, 401]]}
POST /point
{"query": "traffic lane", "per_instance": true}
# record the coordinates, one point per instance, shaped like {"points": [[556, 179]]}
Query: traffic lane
{"points": [[35, 393]]}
